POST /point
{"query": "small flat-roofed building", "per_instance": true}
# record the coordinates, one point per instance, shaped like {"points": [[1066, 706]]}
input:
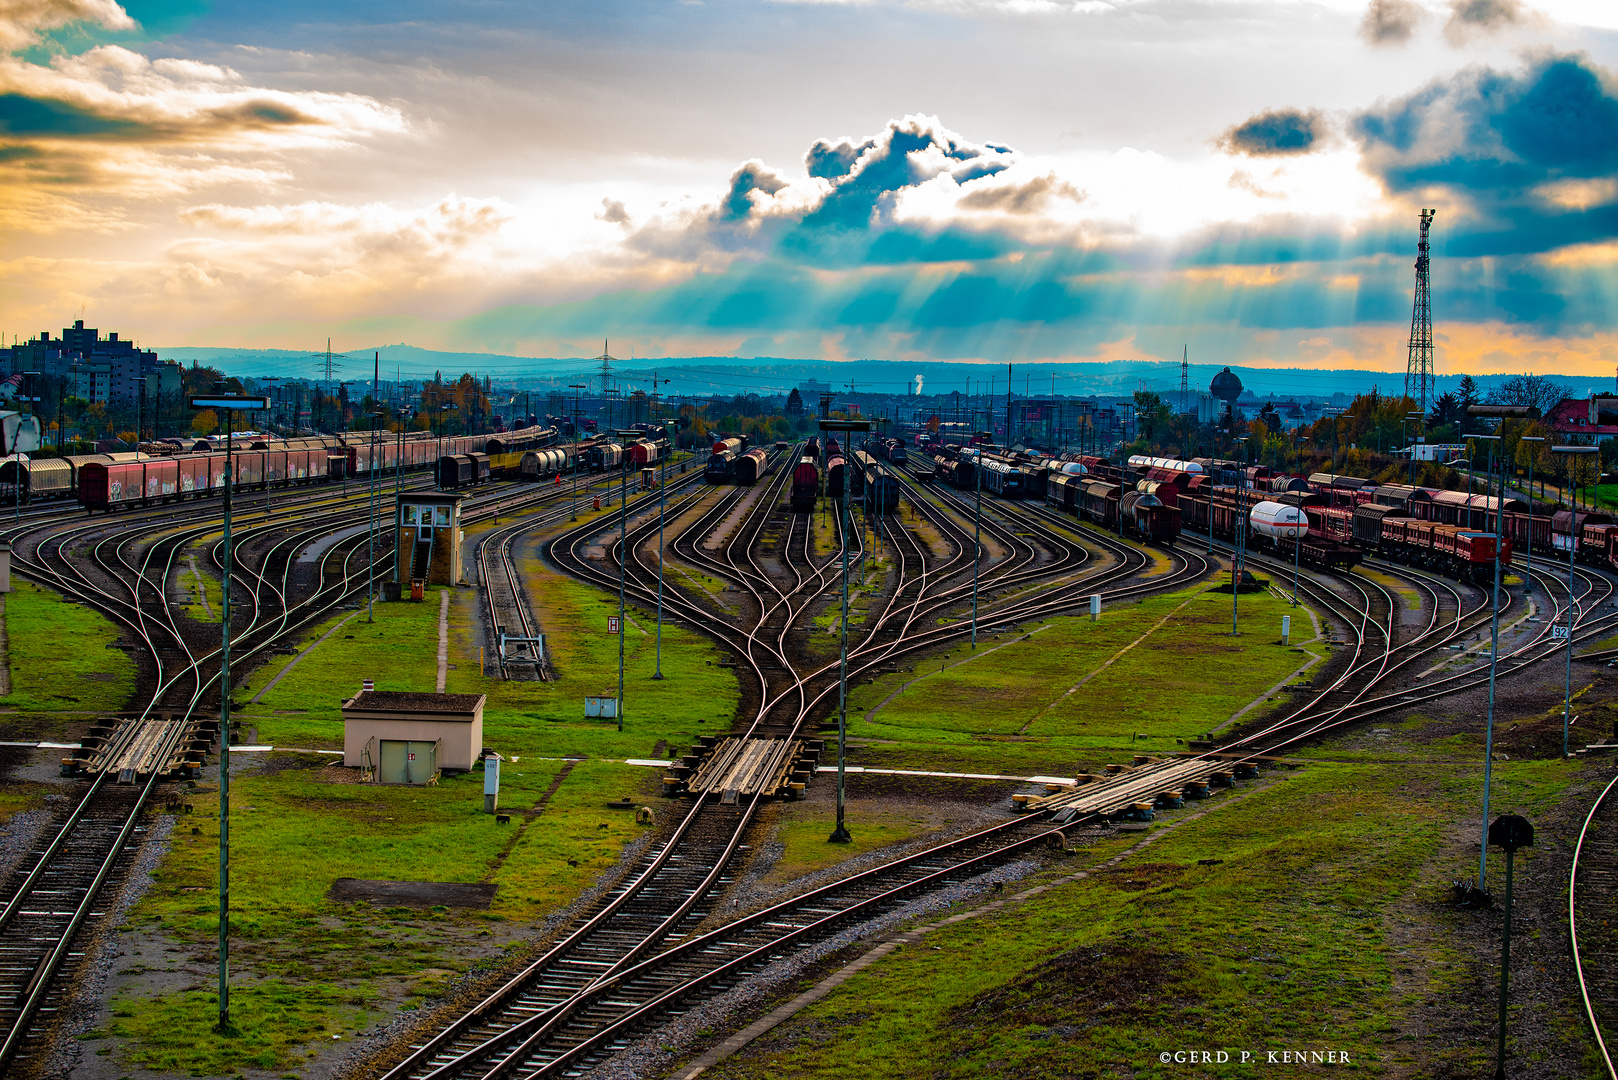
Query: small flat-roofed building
{"points": [[408, 738]]}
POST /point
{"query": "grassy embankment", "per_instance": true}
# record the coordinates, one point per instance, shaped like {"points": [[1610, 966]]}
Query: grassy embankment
{"points": [[1316, 927], [297, 827], [1052, 697], [61, 660]]}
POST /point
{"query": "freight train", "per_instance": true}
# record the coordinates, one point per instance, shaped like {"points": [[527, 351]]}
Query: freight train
{"points": [[806, 485], [171, 472]]}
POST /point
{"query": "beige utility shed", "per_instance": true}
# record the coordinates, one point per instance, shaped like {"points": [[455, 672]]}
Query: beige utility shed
{"points": [[407, 738]]}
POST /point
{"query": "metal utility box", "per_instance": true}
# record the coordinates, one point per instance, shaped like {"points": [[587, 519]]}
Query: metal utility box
{"points": [[603, 708], [427, 538], [407, 738]]}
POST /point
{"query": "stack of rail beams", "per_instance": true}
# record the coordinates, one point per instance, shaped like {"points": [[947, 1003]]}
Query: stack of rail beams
{"points": [[136, 748], [1117, 794], [738, 768]]}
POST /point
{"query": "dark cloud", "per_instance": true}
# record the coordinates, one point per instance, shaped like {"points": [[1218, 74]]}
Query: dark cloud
{"points": [[867, 177], [1391, 22], [41, 117], [752, 176], [613, 212], [1276, 133], [832, 160], [1493, 134], [1473, 18], [1029, 198]]}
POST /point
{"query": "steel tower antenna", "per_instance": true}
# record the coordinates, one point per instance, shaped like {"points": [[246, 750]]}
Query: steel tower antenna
{"points": [[1419, 372]]}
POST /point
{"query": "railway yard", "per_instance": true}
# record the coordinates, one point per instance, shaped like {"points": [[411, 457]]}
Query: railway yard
{"points": [[1105, 818]]}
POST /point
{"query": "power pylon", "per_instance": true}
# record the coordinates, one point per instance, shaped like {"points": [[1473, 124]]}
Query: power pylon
{"points": [[1419, 371]]}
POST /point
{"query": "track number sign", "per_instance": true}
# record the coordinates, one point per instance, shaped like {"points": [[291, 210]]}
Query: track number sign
{"points": [[612, 624], [1558, 633]]}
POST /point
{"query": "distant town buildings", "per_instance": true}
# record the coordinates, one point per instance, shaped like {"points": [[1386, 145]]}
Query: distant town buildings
{"points": [[100, 370]]}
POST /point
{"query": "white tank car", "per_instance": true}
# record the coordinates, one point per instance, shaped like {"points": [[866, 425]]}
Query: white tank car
{"points": [[1279, 521]]}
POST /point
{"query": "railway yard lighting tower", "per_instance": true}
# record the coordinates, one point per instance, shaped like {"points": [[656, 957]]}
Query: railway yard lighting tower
{"points": [[1498, 412], [662, 504], [1573, 452], [575, 387], [840, 835], [623, 563], [227, 405], [1414, 419], [1528, 548]]}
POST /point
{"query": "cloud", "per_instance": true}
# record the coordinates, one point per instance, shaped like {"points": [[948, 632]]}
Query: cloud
{"points": [[1276, 133], [1491, 136], [613, 212], [1469, 19], [1032, 197], [1391, 22], [22, 22], [752, 176], [866, 178]]}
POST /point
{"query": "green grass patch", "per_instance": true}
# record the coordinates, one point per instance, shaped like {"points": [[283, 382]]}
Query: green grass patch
{"points": [[803, 831], [1011, 711], [90, 676], [1287, 941], [271, 1022]]}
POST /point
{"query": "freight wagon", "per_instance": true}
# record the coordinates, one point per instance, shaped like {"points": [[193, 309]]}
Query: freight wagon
{"points": [[806, 485], [748, 467]]}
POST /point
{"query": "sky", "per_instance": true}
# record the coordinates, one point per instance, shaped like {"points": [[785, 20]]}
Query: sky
{"points": [[951, 180]]}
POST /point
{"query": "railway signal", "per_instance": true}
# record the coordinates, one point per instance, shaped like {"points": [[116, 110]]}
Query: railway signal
{"points": [[228, 405], [1510, 832]]}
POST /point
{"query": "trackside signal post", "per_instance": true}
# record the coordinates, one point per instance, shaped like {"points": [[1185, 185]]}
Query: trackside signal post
{"points": [[1510, 832], [840, 834], [229, 405]]}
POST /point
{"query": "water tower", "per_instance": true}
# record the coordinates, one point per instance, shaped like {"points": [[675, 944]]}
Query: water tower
{"points": [[1227, 388]]}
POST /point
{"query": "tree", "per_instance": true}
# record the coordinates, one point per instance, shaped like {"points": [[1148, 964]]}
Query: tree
{"points": [[1150, 413], [206, 422], [794, 403], [1535, 390]]}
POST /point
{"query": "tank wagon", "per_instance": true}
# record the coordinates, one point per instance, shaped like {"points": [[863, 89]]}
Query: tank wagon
{"points": [[542, 464]]}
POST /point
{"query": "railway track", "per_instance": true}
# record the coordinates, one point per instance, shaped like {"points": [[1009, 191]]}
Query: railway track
{"points": [[1592, 916], [638, 955]]}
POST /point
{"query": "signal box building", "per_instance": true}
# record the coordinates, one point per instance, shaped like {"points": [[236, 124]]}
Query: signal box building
{"points": [[427, 541], [408, 738]]}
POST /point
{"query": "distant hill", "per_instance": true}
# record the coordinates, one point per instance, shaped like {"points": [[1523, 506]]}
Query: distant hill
{"points": [[729, 375]]}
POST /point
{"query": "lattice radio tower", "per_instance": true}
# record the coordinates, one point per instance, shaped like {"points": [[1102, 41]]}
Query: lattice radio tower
{"points": [[1419, 372]]}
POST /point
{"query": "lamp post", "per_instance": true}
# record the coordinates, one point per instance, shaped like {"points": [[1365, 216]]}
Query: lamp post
{"points": [[373, 503], [1297, 540], [623, 562], [1415, 420], [228, 404], [1241, 534], [1574, 453], [1528, 548], [840, 834], [662, 503], [1498, 412], [574, 460]]}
